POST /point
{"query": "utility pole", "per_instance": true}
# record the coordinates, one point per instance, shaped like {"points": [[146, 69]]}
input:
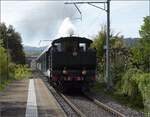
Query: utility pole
{"points": [[9, 35], [106, 8], [7, 60], [109, 83]]}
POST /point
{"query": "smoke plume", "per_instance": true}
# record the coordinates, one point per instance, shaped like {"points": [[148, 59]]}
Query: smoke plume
{"points": [[66, 28]]}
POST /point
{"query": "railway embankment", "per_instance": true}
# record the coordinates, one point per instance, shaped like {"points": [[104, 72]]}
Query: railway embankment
{"points": [[115, 101]]}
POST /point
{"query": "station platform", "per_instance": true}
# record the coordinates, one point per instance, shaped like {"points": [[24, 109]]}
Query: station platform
{"points": [[28, 98]]}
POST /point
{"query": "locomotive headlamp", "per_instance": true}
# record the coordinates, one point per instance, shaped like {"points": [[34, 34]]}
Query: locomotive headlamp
{"points": [[65, 72], [83, 72]]}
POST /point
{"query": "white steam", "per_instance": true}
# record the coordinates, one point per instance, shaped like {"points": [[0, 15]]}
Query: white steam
{"points": [[67, 28]]}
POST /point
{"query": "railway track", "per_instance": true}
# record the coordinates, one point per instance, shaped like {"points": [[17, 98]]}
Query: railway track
{"points": [[82, 105], [70, 112], [104, 106], [88, 107]]}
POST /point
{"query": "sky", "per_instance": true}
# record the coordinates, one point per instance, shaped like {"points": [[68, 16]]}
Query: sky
{"points": [[41, 20]]}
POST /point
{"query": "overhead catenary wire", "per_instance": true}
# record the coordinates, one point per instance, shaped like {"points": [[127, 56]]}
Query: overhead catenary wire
{"points": [[107, 10]]}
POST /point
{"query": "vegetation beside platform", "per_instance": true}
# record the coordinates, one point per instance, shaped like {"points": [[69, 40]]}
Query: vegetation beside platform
{"points": [[11, 71], [12, 59], [129, 68]]}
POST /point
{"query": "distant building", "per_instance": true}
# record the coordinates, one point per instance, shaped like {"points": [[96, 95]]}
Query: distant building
{"points": [[29, 60]]}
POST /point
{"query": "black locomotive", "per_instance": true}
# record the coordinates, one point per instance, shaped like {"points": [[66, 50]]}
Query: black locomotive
{"points": [[69, 63]]}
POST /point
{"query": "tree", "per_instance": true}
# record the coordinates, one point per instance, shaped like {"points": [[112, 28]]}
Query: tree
{"points": [[145, 29], [14, 43], [141, 53], [136, 81], [3, 63], [116, 43], [98, 44]]}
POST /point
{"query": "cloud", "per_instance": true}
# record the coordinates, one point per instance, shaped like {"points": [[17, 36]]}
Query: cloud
{"points": [[40, 20], [37, 19]]}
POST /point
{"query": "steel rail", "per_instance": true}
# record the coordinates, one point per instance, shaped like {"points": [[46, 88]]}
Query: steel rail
{"points": [[73, 106], [67, 101], [104, 106]]}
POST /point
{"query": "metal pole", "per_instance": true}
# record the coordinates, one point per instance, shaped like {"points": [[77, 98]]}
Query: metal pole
{"points": [[107, 74], [8, 36], [149, 7], [107, 46], [7, 59]]}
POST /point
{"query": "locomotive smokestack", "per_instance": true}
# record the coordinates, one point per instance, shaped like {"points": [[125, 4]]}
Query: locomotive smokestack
{"points": [[67, 28]]}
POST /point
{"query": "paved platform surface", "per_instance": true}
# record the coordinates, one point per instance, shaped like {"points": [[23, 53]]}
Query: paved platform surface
{"points": [[13, 99], [21, 100], [47, 105]]}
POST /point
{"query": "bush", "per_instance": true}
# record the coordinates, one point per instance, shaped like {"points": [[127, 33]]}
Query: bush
{"points": [[136, 85], [143, 81], [128, 85], [116, 71], [3, 64], [10, 71], [22, 71], [6, 68]]}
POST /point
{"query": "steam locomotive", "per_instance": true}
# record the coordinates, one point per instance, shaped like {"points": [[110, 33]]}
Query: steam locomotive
{"points": [[69, 63]]}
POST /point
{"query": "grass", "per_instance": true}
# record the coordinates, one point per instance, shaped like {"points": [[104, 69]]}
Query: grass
{"points": [[118, 97]]}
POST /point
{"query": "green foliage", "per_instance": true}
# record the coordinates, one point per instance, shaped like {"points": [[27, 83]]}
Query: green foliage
{"points": [[22, 71], [117, 42], [99, 43], [145, 29], [129, 86], [143, 81], [117, 70], [8, 34], [136, 84], [129, 66], [10, 71], [141, 53], [3, 63], [136, 81], [4, 66], [100, 87]]}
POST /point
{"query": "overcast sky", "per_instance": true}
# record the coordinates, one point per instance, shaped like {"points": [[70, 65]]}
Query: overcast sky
{"points": [[40, 20]]}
